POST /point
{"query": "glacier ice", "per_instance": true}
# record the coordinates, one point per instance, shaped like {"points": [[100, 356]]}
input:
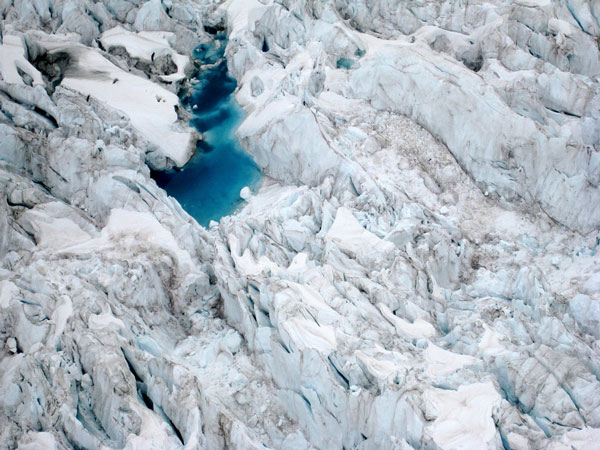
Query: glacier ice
{"points": [[419, 268]]}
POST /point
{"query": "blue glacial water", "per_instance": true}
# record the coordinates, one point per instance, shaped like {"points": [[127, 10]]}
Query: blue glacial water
{"points": [[208, 186]]}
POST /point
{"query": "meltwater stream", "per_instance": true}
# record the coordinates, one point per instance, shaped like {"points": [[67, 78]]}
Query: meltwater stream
{"points": [[208, 186]]}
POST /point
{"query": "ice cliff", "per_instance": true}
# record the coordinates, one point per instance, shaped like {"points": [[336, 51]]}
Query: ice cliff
{"points": [[419, 269]]}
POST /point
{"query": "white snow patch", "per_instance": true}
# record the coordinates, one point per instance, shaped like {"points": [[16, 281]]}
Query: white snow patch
{"points": [[61, 314], [559, 26], [490, 342], [463, 417], [350, 237], [247, 264], [418, 329], [104, 320], [128, 230], [241, 13], [313, 300], [153, 433], [39, 441], [8, 290], [306, 333], [150, 107], [147, 45], [59, 233], [442, 362], [585, 439], [12, 59], [378, 368], [533, 3]]}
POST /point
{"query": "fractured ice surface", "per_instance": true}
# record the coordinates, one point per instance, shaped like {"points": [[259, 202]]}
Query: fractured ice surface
{"points": [[418, 269]]}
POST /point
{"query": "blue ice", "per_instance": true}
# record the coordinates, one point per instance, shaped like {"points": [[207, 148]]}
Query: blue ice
{"points": [[208, 186]]}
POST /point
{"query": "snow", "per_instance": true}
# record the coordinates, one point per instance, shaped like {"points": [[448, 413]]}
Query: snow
{"points": [[105, 320], [490, 342], [534, 3], [241, 13], [246, 263], [264, 117], [305, 333], [350, 237], [130, 228], [463, 418], [559, 26], [418, 329], [147, 45], [60, 233], [378, 368], [8, 291], [12, 59], [127, 230], [153, 434], [150, 107], [408, 299], [40, 440], [61, 314], [442, 362], [585, 439]]}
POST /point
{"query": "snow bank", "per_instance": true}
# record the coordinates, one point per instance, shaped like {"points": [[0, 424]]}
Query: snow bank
{"points": [[463, 417], [150, 107], [147, 45], [128, 230], [12, 60], [350, 237]]}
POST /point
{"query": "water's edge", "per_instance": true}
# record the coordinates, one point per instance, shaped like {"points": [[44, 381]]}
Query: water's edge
{"points": [[208, 186]]}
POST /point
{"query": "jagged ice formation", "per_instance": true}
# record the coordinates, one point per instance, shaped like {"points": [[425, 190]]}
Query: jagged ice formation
{"points": [[419, 269]]}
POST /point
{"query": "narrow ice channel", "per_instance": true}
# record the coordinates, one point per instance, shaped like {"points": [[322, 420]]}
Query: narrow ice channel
{"points": [[208, 186]]}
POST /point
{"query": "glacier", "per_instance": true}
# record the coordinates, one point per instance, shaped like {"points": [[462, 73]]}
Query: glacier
{"points": [[209, 186], [418, 267]]}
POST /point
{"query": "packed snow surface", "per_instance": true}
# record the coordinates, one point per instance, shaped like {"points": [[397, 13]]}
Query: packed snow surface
{"points": [[13, 61], [150, 107], [147, 45]]}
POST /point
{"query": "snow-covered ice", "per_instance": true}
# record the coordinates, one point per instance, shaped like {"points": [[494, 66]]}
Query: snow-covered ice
{"points": [[418, 269], [147, 45]]}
